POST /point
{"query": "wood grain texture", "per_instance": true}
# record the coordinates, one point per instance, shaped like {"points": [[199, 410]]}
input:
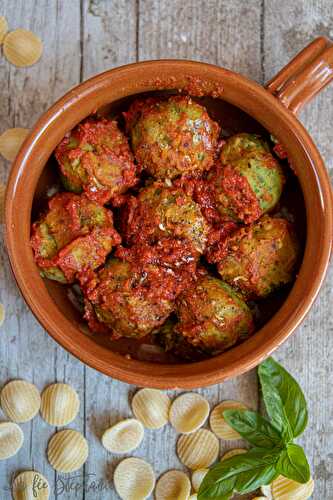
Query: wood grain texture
{"points": [[85, 37]]}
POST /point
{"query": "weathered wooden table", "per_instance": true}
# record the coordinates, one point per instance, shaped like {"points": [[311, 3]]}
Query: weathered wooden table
{"points": [[82, 38]]}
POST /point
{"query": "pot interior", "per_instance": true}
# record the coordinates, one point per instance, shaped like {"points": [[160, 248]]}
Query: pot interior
{"points": [[232, 120]]}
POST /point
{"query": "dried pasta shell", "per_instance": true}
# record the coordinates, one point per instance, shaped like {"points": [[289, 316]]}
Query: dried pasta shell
{"points": [[3, 28], [266, 490], [217, 423], [11, 141], [20, 400], [285, 489], [151, 407], [67, 451], [189, 412], [22, 47], [124, 436], [30, 485], [2, 314], [174, 484], [134, 479], [232, 453], [198, 450], [197, 478], [11, 439], [60, 404]]}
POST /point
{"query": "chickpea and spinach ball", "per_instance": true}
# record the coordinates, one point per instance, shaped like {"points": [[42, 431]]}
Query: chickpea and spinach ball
{"points": [[248, 181], [74, 235], [161, 211], [95, 157], [172, 137], [261, 257], [212, 316], [135, 292]]}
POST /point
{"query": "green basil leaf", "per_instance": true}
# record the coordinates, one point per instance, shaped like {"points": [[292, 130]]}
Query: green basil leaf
{"points": [[254, 428], [242, 473], [284, 399], [293, 464]]}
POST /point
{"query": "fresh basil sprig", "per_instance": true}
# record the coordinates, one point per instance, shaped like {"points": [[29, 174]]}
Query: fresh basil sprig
{"points": [[273, 451]]}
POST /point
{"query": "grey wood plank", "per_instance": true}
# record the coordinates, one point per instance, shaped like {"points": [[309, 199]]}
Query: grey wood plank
{"points": [[26, 351], [289, 26]]}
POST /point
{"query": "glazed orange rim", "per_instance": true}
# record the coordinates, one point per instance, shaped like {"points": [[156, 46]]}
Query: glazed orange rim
{"points": [[122, 82]]}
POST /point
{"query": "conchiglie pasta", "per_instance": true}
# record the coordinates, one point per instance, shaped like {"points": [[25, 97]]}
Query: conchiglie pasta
{"points": [[286, 489], [67, 451], [151, 407], [22, 47], [134, 479], [29, 485], [218, 424], [20, 400], [124, 436], [60, 404], [198, 450], [188, 412], [172, 485]]}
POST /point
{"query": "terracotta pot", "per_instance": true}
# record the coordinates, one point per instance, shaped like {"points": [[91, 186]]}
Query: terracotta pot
{"points": [[245, 105]]}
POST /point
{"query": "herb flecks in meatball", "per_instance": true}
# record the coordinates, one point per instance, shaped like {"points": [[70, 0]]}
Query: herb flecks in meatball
{"points": [[95, 157], [74, 235], [161, 212], [248, 180], [172, 137], [260, 258], [212, 316], [136, 291]]}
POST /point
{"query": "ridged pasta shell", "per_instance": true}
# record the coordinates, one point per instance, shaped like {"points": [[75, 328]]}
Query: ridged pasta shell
{"points": [[60, 404], [286, 489], [11, 141], [20, 400], [172, 485], [22, 47], [232, 453], [67, 450], [217, 423], [198, 450], [151, 407], [188, 412], [124, 436], [266, 490], [2, 314], [197, 478], [11, 439], [3, 28], [30, 485], [134, 479]]}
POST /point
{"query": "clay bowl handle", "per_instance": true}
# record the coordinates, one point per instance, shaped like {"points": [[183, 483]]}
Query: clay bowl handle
{"points": [[306, 75]]}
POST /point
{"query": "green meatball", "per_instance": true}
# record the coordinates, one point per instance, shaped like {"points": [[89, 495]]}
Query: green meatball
{"points": [[260, 258], [121, 301], [172, 137], [249, 180], [75, 234], [161, 211], [95, 157], [212, 316]]}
